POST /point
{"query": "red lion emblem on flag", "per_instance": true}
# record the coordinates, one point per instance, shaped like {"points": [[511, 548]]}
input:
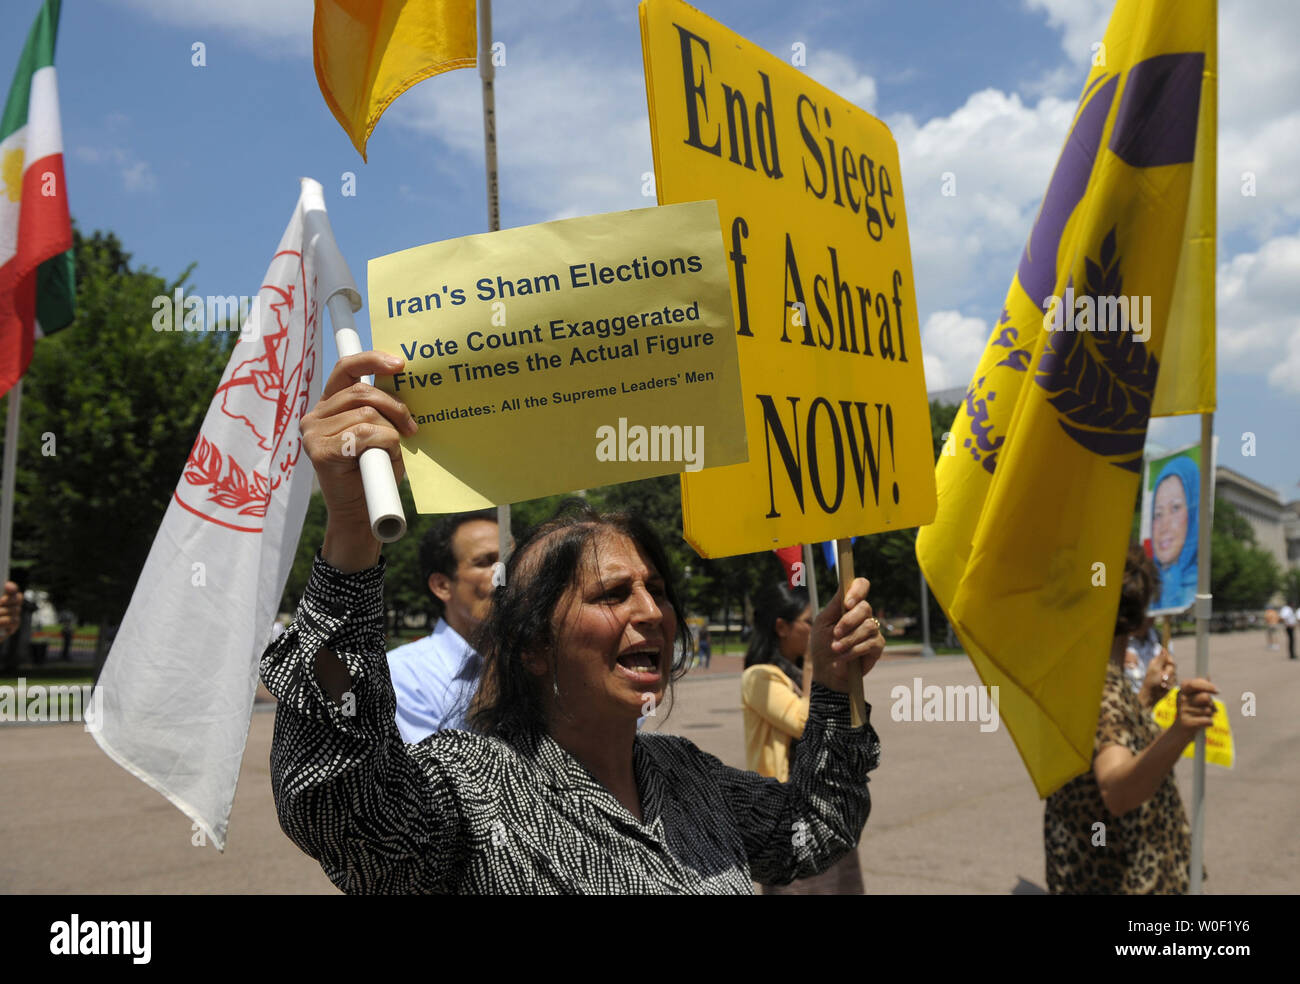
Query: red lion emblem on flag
{"points": [[249, 443]]}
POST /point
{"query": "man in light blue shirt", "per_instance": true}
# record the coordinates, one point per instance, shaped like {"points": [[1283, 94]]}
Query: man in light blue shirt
{"points": [[435, 678]]}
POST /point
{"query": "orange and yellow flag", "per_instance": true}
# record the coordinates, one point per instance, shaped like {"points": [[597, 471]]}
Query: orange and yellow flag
{"points": [[1109, 319], [368, 52]]}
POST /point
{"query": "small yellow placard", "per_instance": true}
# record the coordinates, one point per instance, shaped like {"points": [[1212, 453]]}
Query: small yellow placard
{"points": [[810, 196], [562, 356], [1218, 736]]}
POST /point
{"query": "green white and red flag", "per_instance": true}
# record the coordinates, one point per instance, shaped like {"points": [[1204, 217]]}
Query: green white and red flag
{"points": [[37, 286]]}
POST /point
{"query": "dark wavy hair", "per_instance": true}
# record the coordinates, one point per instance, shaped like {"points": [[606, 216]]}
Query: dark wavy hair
{"points": [[1141, 584], [508, 703], [774, 601]]}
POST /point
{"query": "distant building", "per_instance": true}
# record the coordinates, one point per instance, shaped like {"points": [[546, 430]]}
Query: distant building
{"points": [[954, 394], [1263, 508]]}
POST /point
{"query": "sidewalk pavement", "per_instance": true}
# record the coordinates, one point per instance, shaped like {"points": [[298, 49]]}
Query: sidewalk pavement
{"points": [[953, 809]]}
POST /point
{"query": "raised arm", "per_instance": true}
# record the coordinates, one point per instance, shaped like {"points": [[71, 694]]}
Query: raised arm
{"points": [[1127, 780], [801, 827], [347, 790]]}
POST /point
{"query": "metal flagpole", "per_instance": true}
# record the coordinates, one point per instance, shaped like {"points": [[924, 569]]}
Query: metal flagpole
{"points": [[1203, 599], [487, 73], [810, 575], [10, 472], [926, 648]]}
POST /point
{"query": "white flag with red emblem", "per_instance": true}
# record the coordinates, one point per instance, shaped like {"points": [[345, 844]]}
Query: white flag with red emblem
{"points": [[175, 698]]}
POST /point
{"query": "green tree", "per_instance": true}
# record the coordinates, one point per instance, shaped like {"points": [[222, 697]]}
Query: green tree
{"points": [[888, 559], [1242, 574], [110, 412], [405, 591], [1291, 586], [313, 535]]}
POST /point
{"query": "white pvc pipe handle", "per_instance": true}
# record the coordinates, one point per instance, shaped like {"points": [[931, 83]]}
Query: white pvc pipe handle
{"points": [[387, 519]]}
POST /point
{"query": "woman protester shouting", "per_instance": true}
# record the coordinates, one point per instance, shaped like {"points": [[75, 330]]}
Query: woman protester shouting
{"points": [[554, 791]]}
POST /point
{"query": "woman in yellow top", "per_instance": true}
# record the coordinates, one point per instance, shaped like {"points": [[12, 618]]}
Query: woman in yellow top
{"points": [[776, 710]]}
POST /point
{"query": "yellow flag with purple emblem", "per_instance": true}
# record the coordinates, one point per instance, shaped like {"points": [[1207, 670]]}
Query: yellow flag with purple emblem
{"points": [[1038, 482]]}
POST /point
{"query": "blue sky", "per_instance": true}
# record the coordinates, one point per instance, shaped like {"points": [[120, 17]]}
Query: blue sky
{"points": [[200, 164]]}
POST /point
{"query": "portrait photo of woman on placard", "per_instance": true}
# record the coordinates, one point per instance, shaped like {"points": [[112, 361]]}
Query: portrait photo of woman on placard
{"points": [[1170, 518]]}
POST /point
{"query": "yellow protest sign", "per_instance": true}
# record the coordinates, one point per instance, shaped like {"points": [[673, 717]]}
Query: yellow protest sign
{"points": [[811, 204], [1218, 736], [561, 356]]}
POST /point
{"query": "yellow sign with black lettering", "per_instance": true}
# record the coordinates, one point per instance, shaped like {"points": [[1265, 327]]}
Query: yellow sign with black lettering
{"points": [[561, 356], [810, 201], [1219, 748]]}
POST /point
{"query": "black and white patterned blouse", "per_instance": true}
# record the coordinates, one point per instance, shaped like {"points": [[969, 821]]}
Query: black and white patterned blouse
{"points": [[464, 813]]}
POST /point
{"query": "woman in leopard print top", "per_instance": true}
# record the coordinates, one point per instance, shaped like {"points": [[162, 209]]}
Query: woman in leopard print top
{"points": [[1145, 845]]}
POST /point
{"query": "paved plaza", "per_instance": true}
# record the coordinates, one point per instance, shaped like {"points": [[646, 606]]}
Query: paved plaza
{"points": [[953, 808]]}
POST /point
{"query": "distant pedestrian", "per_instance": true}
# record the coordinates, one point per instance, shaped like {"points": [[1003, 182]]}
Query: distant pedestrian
{"points": [[1271, 618], [67, 628], [703, 646], [1288, 619], [11, 610]]}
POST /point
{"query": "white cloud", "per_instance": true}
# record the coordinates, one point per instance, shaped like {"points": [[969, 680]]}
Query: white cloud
{"points": [[1161, 433], [838, 73], [1258, 118], [1000, 153], [572, 145], [1061, 81], [272, 26], [1257, 52], [566, 146], [952, 345], [1082, 23], [1259, 316], [136, 174]]}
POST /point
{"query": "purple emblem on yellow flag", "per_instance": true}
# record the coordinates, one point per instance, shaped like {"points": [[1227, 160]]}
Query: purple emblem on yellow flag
{"points": [[1116, 281]]}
